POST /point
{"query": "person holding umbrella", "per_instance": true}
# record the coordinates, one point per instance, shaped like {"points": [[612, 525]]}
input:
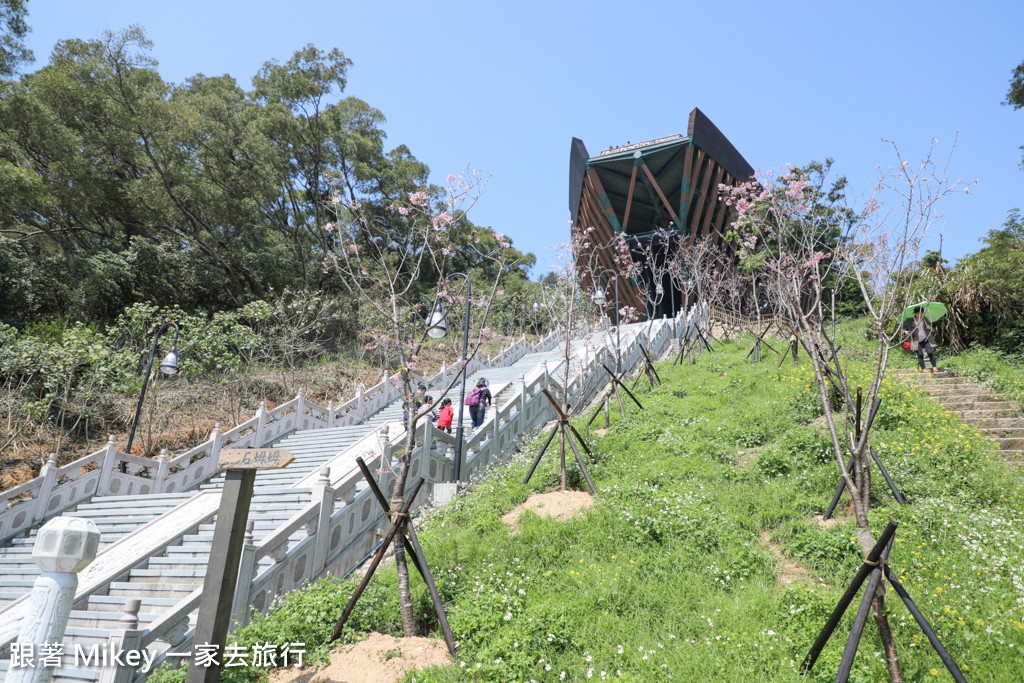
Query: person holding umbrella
{"points": [[919, 329]]}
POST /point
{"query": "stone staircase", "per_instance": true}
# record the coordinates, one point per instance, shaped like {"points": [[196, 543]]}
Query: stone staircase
{"points": [[995, 416], [162, 580]]}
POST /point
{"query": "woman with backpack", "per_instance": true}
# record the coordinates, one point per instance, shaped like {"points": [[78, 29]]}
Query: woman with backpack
{"points": [[478, 400]]}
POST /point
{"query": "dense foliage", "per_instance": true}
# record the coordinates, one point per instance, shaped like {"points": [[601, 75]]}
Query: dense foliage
{"points": [[13, 29], [120, 187], [984, 291]]}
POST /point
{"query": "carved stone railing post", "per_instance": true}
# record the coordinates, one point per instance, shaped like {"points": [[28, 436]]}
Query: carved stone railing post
{"points": [[360, 402], [261, 425], [428, 435], [217, 437], [324, 493], [107, 466], [329, 415], [246, 573], [300, 409], [162, 468], [49, 480], [522, 399], [126, 637], [63, 547]]}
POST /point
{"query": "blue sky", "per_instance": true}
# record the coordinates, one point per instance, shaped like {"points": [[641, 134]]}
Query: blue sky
{"points": [[505, 86]]}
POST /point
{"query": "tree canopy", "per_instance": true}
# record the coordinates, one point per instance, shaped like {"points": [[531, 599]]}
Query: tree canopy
{"points": [[13, 29], [119, 187]]}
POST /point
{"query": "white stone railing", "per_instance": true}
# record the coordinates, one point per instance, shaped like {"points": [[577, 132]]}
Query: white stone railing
{"points": [[58, 488], [343, 523]]}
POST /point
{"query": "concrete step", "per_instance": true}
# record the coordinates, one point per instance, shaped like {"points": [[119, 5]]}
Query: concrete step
{"points": [[18, 550], [941, 393], [935, 379], [86, 635], [17, 576], [1001, 423], [179, 562], [954, 405], [1002, 432], [7, 597], [156, 500], [989, 414], [1010, 444], [169, 575], [101, 619], [153, 591], [189, 551], [116, 604]]}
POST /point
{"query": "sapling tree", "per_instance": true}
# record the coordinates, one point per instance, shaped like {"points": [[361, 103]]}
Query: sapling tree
{"points": [[576, 274], [653, 260], [797, 235], [388, 256], [705, 263]]}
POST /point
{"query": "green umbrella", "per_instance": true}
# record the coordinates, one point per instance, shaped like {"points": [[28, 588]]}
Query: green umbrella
{"points": [[933, 310]]}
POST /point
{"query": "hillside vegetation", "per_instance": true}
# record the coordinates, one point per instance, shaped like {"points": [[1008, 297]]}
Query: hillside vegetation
{"points": [[703, 558]]}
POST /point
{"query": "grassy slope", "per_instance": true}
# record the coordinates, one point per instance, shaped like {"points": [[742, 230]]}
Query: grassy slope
{"points": [[669, 576]]}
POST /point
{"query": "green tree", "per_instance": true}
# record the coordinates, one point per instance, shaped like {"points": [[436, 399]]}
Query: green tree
{"points": [[1015, 95], [13, 29], [985, 291]]}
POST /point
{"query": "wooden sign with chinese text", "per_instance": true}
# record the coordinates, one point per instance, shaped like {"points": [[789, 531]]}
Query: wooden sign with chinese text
{"points": [[254, 458]]}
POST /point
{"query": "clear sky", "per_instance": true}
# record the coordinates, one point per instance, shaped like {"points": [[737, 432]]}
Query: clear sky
{"points": [[505, 86]]}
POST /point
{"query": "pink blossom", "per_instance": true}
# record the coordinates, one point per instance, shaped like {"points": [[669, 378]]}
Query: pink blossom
{"points": [[418, 198]]}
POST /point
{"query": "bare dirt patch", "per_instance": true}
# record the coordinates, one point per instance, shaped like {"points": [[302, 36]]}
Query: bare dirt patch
{"points": [[378, 659], [820, 519], [748, 455], [600, 432], [789, 572], [558, 504]]}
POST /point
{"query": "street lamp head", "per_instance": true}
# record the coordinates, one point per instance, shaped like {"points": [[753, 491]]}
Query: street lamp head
{"points": [[437, 325], [598, 297], [659, 290], [536, 306], [169, 365]]}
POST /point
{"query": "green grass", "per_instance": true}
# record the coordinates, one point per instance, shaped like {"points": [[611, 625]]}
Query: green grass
{"points": [[667, 577]]}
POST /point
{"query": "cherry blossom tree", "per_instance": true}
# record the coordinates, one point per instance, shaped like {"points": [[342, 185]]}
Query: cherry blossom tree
{"points": [[577, 271], [798, 236], [386, 257]]}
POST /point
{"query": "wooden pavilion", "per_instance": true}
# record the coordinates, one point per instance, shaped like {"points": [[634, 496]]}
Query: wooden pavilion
{"points": [[670, 183]]}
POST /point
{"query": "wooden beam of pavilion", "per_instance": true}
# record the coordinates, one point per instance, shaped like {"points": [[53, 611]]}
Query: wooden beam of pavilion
{"points": [[629, 196], [657, 188]]}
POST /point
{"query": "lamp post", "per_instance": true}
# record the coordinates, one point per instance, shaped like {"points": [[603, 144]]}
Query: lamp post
{"points": [[437, 328], [168, 366], [599, 299]]}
